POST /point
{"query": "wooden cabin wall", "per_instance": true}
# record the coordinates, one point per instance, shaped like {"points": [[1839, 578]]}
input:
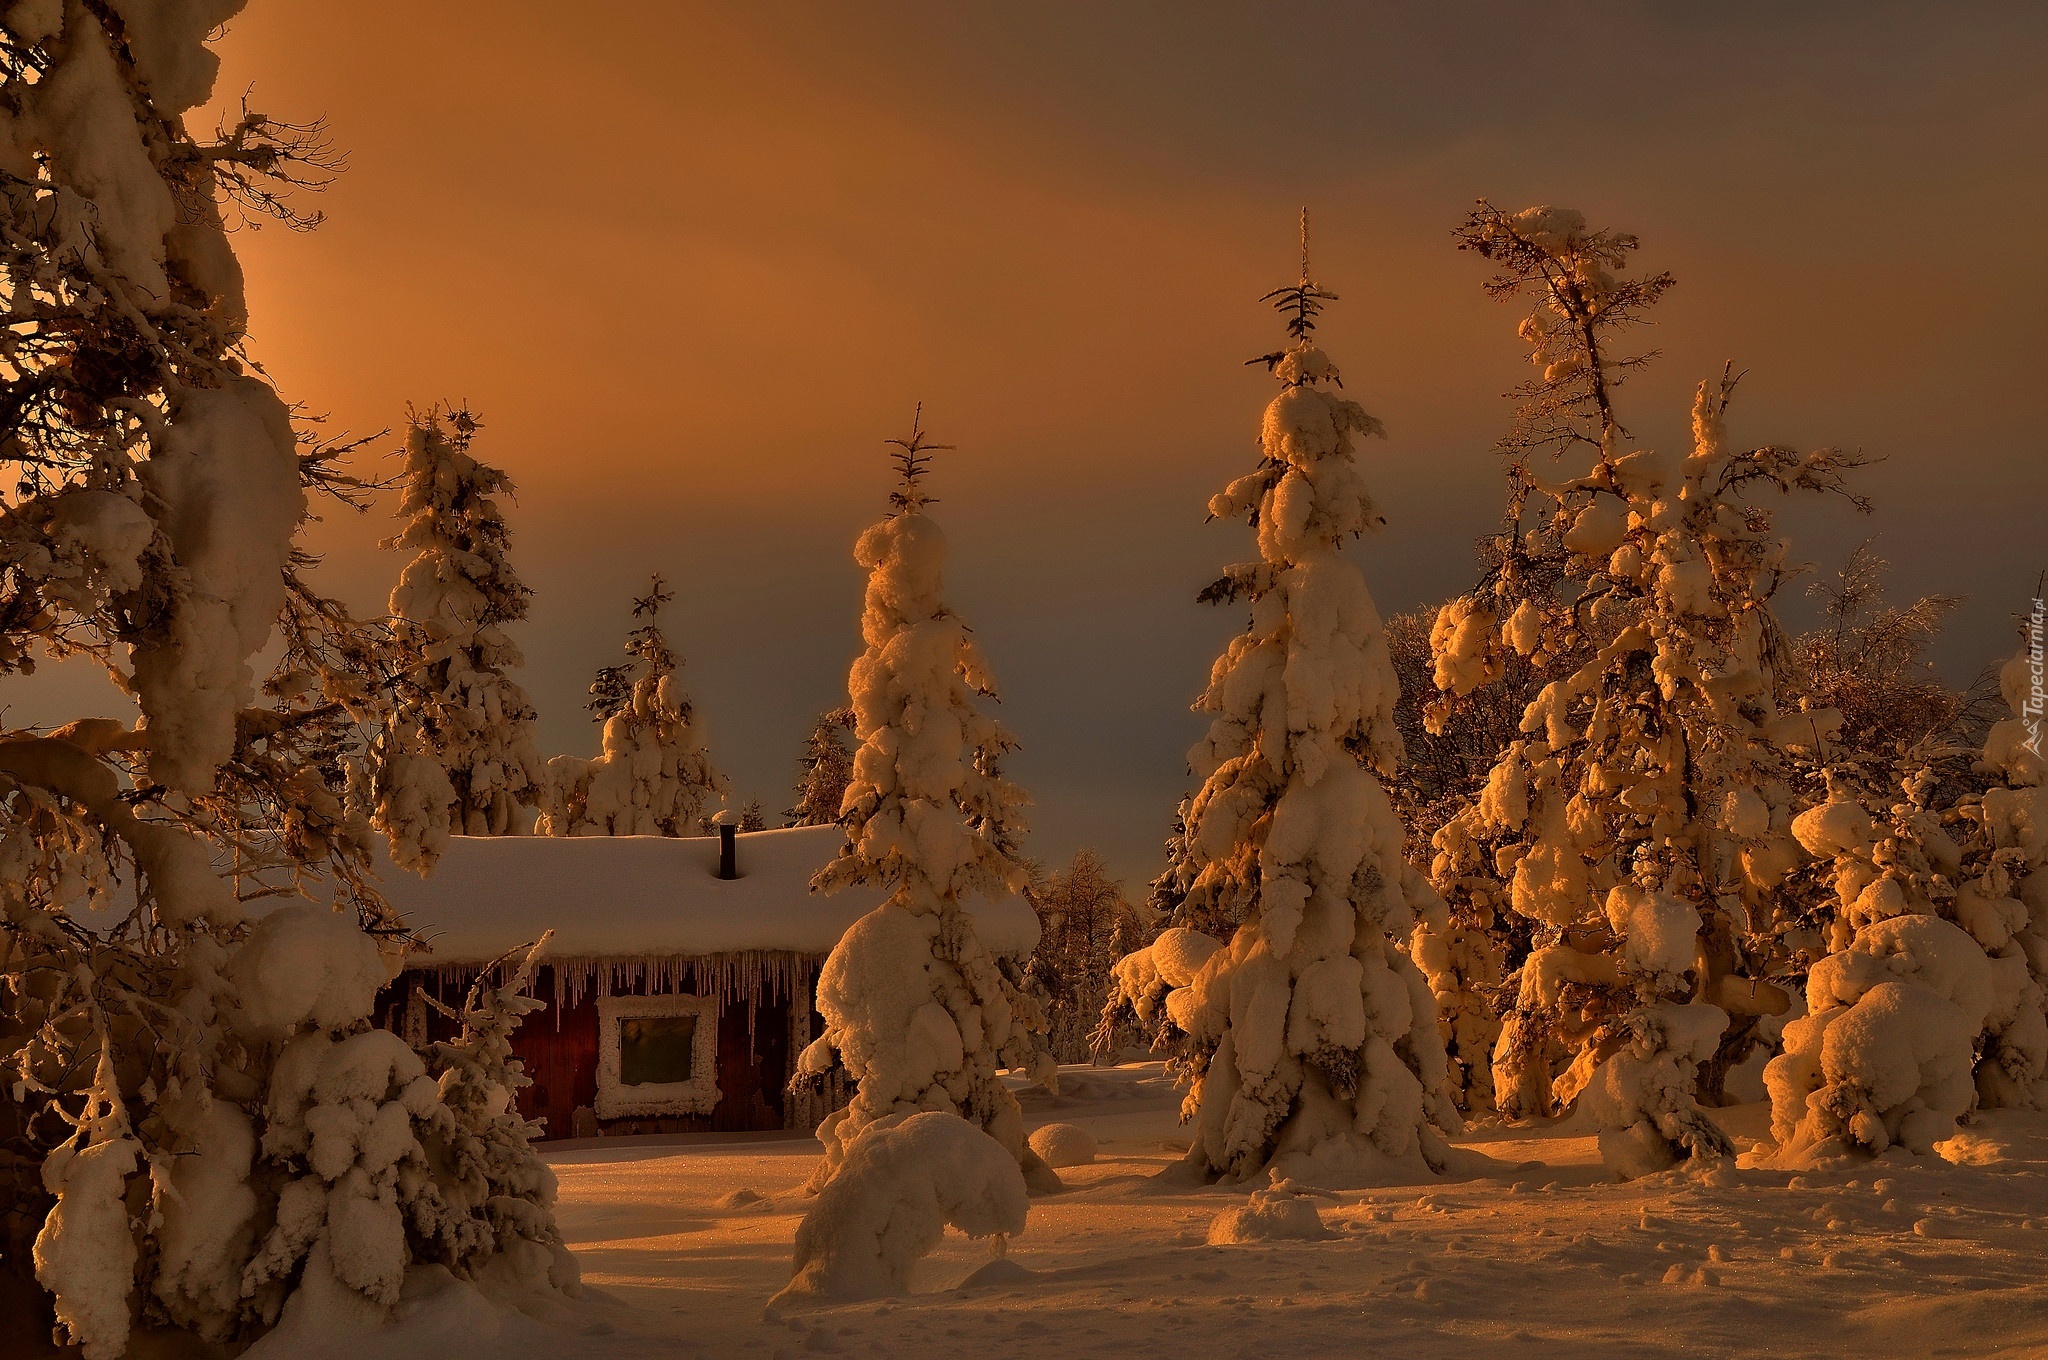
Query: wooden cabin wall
{"points": [[560, 1057]]}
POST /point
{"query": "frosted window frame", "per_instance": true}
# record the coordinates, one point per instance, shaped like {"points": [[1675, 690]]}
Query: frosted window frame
{"points": [[697, 1096]]}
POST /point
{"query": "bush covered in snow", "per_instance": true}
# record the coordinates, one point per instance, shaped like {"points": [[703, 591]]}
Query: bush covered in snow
{"points": [[903, 1181], [2002, 899], [1929, 999]]}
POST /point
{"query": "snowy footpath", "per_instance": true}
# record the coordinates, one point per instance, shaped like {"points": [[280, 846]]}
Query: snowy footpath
{"points": [[1528, 1248]]}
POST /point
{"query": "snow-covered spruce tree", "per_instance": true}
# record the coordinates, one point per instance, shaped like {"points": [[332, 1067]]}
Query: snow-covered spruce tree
{"points": [[147, 1014], [459, 755], [655, 778], [918, 1010], [824, 771], [1897, 1007], [1642, 821], [1311, 1040], [370, 1158], [500, 1196]]}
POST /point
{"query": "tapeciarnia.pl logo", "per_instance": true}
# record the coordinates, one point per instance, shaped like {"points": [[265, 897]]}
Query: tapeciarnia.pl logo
{"points": [[2031, 706]]}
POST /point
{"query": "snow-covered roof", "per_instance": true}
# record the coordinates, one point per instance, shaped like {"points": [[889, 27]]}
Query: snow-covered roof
{"points": [[609, 897]]}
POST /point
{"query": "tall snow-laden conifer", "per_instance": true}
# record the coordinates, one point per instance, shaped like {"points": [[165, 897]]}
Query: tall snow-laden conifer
{"points": [[459, 756], [164, 1055], [918, 1010], [1643, 819], [655, 778], [1311, 1040]]}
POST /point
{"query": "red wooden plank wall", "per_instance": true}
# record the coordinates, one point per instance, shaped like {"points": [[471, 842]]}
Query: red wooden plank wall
{"points": [[561, 1061]]}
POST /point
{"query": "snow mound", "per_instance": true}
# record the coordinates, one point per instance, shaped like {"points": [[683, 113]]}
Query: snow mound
{"points": [[900, 1186], [1064, 1145], [438, 1317], [743, 1198], [1275, 1214], [1001, 1273]]}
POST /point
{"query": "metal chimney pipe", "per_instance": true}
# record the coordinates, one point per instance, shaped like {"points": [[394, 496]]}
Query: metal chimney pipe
{"points": [[728, 850]]}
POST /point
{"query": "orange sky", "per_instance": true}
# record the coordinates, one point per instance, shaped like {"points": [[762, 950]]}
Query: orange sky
{"points": [[692, 264]]}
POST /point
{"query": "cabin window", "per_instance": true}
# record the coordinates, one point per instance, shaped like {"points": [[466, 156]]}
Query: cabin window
{"points": [[654, 1050], [657, 1055]]}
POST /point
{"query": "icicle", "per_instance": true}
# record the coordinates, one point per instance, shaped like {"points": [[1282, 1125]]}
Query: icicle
{"points": [[750, 977]]}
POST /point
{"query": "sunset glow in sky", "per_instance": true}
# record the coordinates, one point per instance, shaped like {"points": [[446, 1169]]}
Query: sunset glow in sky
{"points": [[692, 264]]}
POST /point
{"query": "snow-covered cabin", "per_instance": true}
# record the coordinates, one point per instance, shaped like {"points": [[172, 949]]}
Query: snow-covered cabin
{"points": [[677, 1000]]}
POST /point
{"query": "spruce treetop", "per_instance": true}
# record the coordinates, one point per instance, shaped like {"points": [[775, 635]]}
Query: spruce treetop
{"points": [[1300, 303], [913, 458], [612, 691]]}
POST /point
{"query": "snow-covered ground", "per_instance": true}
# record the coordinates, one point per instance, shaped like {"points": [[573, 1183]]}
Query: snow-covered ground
{"points": [[1528, 1249]]}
